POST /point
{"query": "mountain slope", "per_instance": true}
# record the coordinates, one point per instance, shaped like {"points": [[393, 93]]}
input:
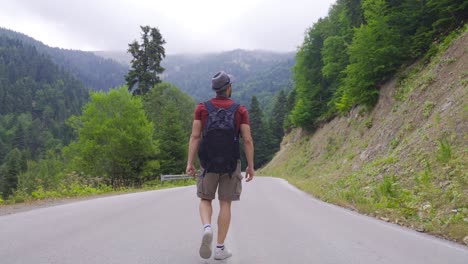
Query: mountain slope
{"points": [[94, 71], [405, 161], [36, 98], [259, 73]]}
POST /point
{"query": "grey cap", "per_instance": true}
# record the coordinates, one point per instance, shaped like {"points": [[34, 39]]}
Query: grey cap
{"points": [[221, 81]]}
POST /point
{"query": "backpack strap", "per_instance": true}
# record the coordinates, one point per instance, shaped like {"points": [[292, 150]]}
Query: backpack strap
{"points": [[209, 106], [233, 108]]}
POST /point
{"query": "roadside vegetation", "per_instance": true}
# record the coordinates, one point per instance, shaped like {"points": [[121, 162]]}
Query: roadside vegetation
{"points": [[59, 141], [405, 161]]}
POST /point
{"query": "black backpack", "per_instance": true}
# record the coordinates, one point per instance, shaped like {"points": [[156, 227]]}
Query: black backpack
{"points": [[219, 148]]}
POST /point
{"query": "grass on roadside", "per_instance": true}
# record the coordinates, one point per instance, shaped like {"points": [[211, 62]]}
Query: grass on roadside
{"points": [[81, 190]]}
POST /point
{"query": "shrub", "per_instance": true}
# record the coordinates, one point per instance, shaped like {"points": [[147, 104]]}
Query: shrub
{"points": [[445, 150], [428, 107]]}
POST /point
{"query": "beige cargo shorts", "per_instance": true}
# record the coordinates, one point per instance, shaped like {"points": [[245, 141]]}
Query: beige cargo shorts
{"points": [[230, 187]]}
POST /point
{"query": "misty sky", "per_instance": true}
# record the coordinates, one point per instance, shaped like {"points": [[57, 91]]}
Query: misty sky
{"points": [[189, 26]]}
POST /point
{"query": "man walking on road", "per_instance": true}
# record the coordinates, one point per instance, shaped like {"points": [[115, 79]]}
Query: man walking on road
{"points": [[215, 135]]}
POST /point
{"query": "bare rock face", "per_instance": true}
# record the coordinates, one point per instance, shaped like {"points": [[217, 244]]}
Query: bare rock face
{"points": [[465, 240]]}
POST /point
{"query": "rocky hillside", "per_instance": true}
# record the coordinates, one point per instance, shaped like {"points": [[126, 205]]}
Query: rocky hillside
{"points": [[404, 161]]}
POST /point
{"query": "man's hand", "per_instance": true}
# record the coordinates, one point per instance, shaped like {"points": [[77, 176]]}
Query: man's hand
{"points": [[249, 174], [190, 170]]}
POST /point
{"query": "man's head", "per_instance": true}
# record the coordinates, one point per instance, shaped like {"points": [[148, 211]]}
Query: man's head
{"points": [[221, 84]]}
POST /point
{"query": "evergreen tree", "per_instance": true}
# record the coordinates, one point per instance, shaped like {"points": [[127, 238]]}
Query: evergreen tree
{"points": [[290, 102], [447, 14], [277, 119], [164, 94], [312, 96], [36, 97], [146, 62], [171, 112], [172, 141], [374, 53], [9, 171], [260, 134], [346, 56]]}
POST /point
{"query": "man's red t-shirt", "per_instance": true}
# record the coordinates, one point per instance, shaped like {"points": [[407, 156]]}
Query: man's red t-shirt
{"points": [[242, 116]]}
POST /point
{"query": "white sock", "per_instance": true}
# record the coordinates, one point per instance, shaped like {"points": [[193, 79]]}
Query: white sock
{"points": [[207, 227], [220, 246]]}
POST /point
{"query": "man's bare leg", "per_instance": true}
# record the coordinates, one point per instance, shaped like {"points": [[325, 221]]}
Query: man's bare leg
{"points": [[224, 219], [206, 210]]}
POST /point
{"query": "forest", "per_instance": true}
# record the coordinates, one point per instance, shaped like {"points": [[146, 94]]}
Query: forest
{"points": [[59, 138], [93, 71], [36, 100], [347, 55]]}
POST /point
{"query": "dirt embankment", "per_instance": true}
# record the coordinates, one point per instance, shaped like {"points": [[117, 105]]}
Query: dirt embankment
{"points": [[403, 162]]}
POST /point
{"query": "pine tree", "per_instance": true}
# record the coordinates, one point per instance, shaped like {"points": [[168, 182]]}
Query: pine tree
{"points": [[290, 102], [277, 119], [146, 62], [172, 141], [9, 171], [260, 134]]}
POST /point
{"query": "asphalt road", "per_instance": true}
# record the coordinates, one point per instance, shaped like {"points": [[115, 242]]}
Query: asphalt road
{"points": [[274, 223]]}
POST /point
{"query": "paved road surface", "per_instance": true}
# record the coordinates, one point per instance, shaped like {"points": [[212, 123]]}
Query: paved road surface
{"points": [[274, 223]]}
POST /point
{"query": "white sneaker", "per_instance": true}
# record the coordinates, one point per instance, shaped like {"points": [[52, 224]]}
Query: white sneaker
{"points": [[205, 248], [222, 253]]}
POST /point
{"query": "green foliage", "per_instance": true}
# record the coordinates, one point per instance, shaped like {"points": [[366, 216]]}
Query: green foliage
{"points": [[445, 150], [425, 177], [348, 55], [14, 164], [290, 101], [47, 172], [388, 188], [394, 142], [427, 108], [36, 98], [374, 53], [151, 170], [164, 94], [368, 122], [146, 62], [334, 56], [333, 145], [344, 101], [311, 97], [93, 71], [258, 73], [277, 119], [171, 112], [173, 141], [115, 138], [262, 138]]}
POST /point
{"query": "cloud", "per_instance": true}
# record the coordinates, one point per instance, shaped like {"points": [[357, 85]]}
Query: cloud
{"points": [[187, 25]]}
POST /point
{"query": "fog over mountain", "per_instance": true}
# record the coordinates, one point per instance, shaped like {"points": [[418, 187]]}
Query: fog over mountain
{"points": [[188, 26]]}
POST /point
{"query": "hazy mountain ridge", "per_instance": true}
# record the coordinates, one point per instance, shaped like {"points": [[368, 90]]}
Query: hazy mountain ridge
{"points": [[259, 73], [256, 72], [94, 71]]}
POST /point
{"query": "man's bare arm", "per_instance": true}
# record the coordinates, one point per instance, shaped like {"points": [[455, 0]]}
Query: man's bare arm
{"points": [[249, 151], [193, 146]]}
